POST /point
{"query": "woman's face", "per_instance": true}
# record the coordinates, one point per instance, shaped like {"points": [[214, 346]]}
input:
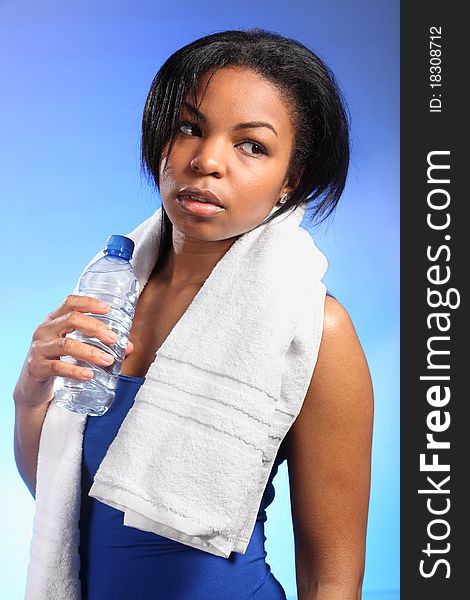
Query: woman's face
{"points": [[245, 166]]}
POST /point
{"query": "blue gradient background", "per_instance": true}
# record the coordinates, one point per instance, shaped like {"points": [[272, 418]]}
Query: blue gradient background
{"points": [[74, 79]]}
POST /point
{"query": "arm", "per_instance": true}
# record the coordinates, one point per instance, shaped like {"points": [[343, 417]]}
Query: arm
{"points": [[34, 388], [28, 427], [328, 455]]}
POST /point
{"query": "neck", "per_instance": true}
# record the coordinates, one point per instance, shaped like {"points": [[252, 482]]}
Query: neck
{"points": [[190, 261]]}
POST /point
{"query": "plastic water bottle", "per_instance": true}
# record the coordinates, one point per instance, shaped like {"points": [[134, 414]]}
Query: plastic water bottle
{"points": [[111, 279]]}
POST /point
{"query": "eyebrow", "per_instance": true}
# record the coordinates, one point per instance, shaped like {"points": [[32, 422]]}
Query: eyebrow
{"points": [[249, 125]]}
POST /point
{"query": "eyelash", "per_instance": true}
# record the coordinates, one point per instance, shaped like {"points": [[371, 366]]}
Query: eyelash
{"points": [[260, 146]]}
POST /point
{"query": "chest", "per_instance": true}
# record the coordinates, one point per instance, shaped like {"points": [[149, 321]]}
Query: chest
{"points": [[158, 309]]}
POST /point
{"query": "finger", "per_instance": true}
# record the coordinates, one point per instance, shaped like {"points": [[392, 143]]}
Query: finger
{"points": [[43, 370], [73, 321], [57, 347], [79, 303], [59, 368], [129, 348]]}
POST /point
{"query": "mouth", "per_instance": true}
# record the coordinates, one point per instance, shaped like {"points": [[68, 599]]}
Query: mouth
{"points": [[199, 202]]}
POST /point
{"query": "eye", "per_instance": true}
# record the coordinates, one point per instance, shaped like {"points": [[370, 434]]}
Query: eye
{"points": [[259, 148], [187, 124]]}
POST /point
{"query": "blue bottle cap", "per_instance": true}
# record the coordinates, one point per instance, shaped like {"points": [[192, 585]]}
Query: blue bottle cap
{"points": [[119, 245]]}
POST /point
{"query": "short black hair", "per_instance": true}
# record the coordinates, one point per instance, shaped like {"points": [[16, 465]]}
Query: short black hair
{"points": [[320, 156]]}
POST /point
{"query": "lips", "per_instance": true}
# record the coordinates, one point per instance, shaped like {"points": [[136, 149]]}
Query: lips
{"points": [[200, 195], [198, 208]]}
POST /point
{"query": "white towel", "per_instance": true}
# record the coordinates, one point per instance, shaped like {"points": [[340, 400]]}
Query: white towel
{"points": [[193, 456]]}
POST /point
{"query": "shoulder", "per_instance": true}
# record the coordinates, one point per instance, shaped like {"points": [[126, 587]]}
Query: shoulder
{"points": [[340, 391], [336, 317], [339, 334], [341, 363], [328, 451]]}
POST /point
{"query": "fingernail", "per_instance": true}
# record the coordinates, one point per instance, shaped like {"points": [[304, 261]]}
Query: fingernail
{"points": [[103, 304]]}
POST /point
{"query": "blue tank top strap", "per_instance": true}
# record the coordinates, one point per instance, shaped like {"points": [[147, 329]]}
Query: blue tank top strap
{"points": [[132, 378], [328, 293]]}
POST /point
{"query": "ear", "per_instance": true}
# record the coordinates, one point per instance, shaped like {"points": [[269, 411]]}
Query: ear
{"points": [[292, 184]]}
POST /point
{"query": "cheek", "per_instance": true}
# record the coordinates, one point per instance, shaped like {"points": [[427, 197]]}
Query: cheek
{"points": [[261, 189], [166, 173], [254, 204], [176, 164]]}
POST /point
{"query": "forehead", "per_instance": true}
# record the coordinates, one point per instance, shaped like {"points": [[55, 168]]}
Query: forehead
{"points": [[240, 94]]}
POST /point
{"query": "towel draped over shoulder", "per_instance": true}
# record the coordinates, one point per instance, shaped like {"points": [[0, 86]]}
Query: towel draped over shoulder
{"points": [[193, 455]]}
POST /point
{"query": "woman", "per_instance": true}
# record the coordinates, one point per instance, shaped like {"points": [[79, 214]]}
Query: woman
{"points": [[239, 128]]}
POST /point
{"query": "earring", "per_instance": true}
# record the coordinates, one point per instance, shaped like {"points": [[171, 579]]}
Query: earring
{"points": [[283, 199]]}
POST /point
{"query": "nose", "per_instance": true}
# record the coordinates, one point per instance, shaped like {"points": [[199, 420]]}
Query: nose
{"points": [[209, 158]]}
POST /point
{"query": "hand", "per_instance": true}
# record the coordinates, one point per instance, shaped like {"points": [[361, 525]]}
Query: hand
{"points": [[35, 385]]}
